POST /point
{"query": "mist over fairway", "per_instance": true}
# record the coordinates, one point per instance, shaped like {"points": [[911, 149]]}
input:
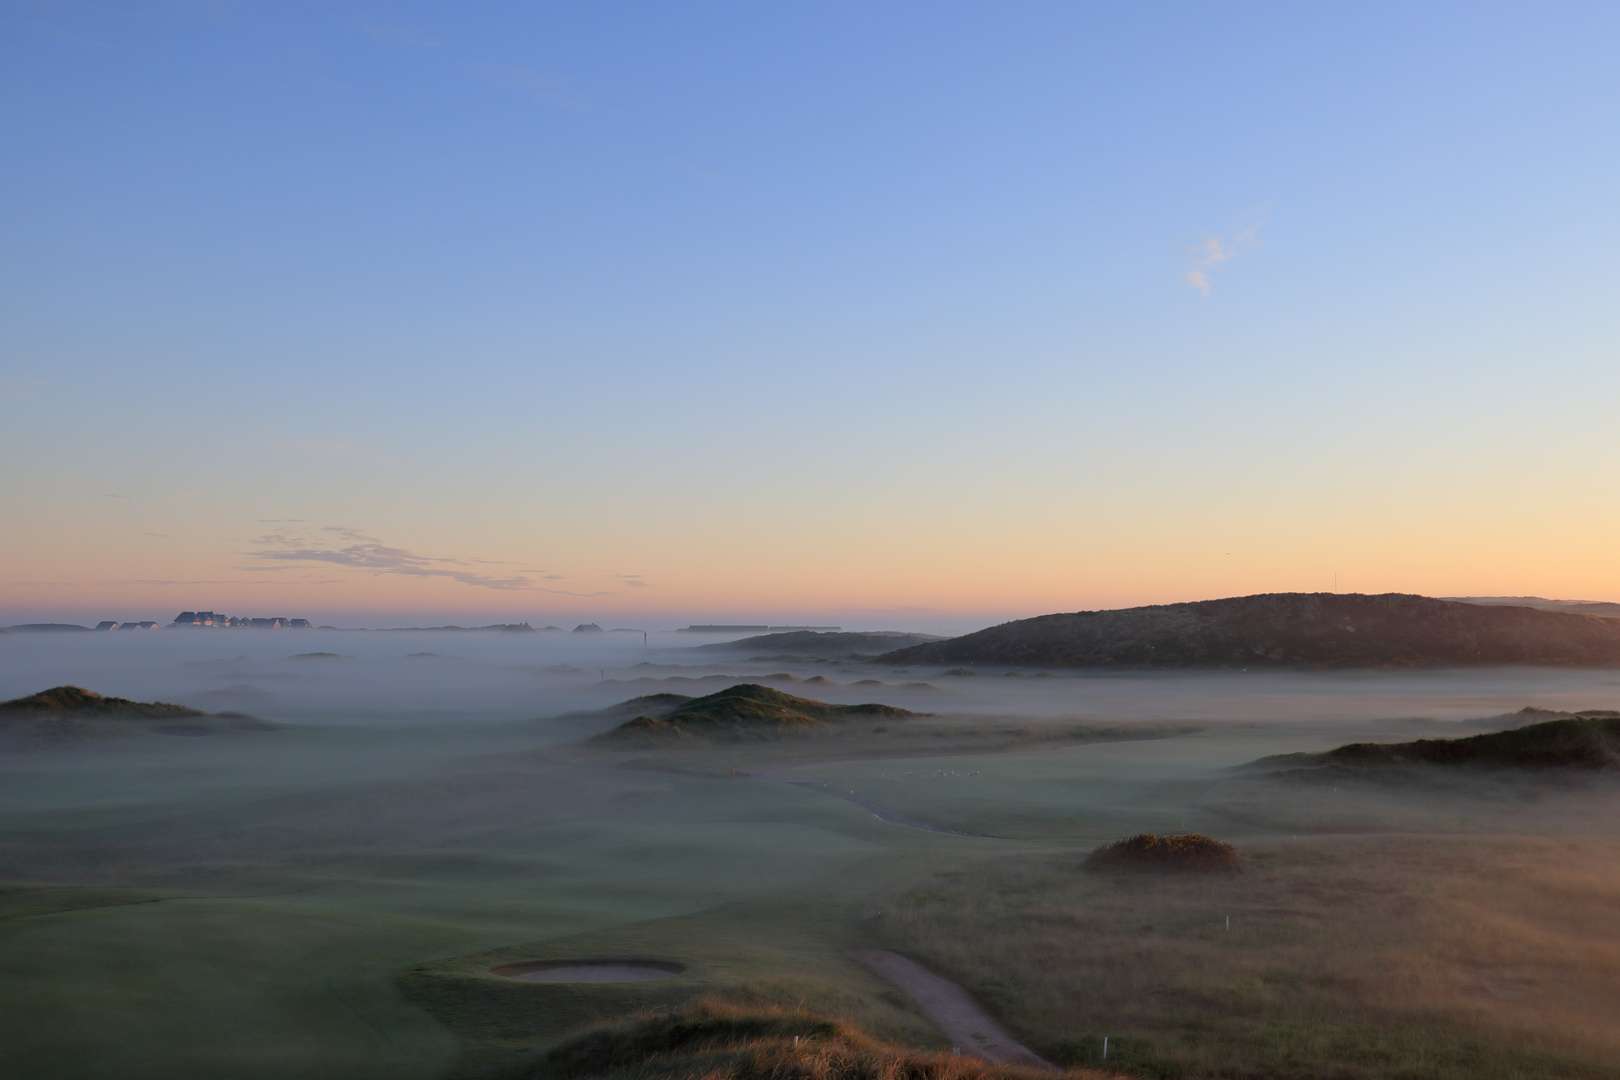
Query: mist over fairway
{"points": [[326, 899]]}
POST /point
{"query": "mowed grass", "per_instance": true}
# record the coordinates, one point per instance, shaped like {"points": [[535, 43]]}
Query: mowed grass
{"points": [[259, 963], [782, 949], [1372, 956]]}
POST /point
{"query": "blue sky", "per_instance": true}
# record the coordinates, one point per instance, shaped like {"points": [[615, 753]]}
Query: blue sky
{"points": [[803, 309]]}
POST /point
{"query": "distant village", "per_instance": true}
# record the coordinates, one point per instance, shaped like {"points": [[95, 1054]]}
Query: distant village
{"points": [[213, 619], [223, 622], [216, 621]]}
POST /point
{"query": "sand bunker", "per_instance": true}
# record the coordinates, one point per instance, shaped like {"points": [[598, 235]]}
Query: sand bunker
{"points": [[589, 971]]}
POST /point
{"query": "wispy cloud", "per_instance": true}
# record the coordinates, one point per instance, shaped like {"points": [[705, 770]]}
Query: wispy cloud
{"points": [[1213, 251], [351, 548], [633, 580]]}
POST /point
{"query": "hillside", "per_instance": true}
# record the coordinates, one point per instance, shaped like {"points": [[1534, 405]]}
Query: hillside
{"points": [[821, 645], [1287, 630], [742, 707], [72, 713], [1587, 741], [1579, 607]]}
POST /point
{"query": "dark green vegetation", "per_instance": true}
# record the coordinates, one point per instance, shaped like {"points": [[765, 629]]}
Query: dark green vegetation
{"points": [[820, 645], [1584, 741], [1150, 851], [67, 713], [1289, 630], [739, 710]]}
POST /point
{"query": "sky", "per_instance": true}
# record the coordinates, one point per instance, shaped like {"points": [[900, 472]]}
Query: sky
{"points": [[901, 314]]}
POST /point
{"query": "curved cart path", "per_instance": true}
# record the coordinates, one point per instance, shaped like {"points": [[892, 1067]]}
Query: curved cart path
{"points": [[950, 1008]]}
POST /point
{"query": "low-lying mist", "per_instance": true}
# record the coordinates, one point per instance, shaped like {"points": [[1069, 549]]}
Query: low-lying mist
{"points": [[430, 800]]}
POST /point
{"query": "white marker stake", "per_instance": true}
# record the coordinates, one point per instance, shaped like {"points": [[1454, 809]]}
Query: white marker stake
{"points": [[1105, 1048], [1229, 922]]}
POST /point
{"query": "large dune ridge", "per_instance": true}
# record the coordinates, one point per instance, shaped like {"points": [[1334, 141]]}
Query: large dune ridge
{"points": [[1287, 630]]}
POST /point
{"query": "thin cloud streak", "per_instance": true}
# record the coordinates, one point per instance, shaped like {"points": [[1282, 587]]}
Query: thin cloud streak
{"points": [[359, 551], [362, 552]]}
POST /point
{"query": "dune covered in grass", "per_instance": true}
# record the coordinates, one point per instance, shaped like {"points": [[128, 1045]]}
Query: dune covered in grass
{"points": [[1585, 741], [718, 1040], [69, 713], [747, 706]]}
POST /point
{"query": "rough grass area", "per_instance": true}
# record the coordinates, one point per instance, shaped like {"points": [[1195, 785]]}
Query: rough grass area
{"points": [[1370, 957], [1149, 851], [1581, 742], [720, 1040]]}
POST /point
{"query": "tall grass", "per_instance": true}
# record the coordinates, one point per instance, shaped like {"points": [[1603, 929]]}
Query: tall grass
{"points": [[716, 1039], [1354, 957]]}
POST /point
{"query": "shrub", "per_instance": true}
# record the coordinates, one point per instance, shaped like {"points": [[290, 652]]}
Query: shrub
{"points": [[1185, 851]]}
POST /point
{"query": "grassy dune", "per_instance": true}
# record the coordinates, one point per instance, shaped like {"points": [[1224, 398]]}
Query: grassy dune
{"points": [[728, 1040], [1572, 742]]}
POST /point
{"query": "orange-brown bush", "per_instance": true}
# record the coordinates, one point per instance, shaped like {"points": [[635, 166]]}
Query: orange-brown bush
{"points": [[1186, 851]]}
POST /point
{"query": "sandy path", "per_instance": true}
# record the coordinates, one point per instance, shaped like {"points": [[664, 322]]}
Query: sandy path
{"points": [[950, 1008]]}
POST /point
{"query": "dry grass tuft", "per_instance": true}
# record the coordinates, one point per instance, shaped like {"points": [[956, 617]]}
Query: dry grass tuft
{"points": [[712, 1039], [1185, 851]]}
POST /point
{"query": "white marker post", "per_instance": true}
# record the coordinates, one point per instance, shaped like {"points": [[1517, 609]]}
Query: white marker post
{"points": [[1105, 1048]]}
